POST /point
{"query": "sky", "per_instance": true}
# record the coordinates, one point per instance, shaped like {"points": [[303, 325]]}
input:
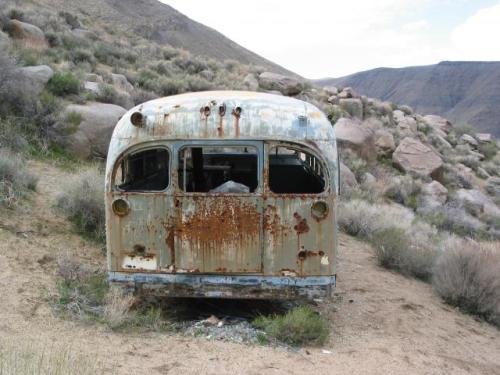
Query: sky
{"points": [[331, 38]]}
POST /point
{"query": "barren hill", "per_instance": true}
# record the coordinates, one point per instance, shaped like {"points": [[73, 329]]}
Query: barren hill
{"points": [[160, 23], [464, 92]]}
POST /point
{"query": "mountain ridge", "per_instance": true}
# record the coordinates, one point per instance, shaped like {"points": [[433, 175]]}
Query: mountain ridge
{"points": [[466, 92]]}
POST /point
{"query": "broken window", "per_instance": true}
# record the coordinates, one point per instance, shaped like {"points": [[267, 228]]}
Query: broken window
{"points": [[145, 170], [218, 169], [293, 171]]}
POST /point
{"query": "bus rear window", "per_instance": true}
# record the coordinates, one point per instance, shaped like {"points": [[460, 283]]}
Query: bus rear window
{"points": [[146, 170], [295, 172], [218, 169]]}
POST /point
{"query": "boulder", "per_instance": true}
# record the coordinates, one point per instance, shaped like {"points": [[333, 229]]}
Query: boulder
{"points": [[352, 134], [353, 106], [493, 186], [347, 178], [368, 179], [30, 35], [91, 137], [333, 99], [347, 93], [406, 109], [384, 142], [481, 173], [469, 139], [92, 77], [37, 77], [331, 90], [121, 83], [92, 87], [436, 192], [4, 40], [438, 123], [408, 124], [286, 85], [251, 83], [413, 156], [398, 115], [484, 137]]}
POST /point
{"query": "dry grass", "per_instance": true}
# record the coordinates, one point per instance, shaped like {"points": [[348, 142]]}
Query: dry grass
{"points": [[117, 307], [82, 200], [467, 275], [15, 179], [38, 359]]}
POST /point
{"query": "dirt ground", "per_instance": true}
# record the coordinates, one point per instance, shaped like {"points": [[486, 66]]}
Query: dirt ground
{"points": [[381, 322]]}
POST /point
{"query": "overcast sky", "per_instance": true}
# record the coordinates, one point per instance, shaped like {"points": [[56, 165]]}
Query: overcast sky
{"points": [[322, 38]]}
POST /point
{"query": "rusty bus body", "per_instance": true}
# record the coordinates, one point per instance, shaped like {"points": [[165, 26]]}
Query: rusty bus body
{"points": [[172, 230]]}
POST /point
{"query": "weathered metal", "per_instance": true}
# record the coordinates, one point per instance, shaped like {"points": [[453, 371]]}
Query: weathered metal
{"points": [[249, 245]]}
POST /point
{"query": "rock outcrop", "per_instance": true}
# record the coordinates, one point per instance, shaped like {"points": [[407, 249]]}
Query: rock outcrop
{"points": [[413, 156], [28, 34], [37, 77], [355, 135], [89, 138], [286, 85]]}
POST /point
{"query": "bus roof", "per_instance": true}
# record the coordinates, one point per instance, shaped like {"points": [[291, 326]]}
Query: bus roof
{"points": [[225, 115]]}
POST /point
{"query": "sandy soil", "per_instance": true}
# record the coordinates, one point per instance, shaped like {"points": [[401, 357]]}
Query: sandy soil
{"points": [[381, 322]]}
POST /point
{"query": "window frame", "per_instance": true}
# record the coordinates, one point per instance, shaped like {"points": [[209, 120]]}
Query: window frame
{"points": [[134, 150], [300, 148], [259, 147]]}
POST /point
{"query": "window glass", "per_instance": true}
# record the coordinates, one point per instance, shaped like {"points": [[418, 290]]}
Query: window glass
{"points": [[218, 169], [293, 171], [146, 170]]}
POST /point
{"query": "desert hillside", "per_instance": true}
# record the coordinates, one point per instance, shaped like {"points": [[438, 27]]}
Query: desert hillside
{"points": [[464, 92], [419, 211]]}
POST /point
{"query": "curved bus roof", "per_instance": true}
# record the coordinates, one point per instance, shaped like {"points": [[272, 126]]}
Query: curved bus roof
{"points": [[225, 115]]}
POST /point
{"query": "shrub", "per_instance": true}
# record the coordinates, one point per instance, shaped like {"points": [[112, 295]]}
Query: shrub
{"points": [[81, 289], [462, 129], [82, 201], [80, 55], [489, 150], [397, 249], [299, 326], [359, 218], [62, 84], [467, 275], [108, 94], [404, 190], [15, 179]]}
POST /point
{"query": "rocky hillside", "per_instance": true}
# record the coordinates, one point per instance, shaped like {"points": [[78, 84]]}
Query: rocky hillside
{"points": [[153, 21], [464, 92]]}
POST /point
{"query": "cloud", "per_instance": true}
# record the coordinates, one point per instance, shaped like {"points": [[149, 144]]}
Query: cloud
{"points": [[477, 37]]}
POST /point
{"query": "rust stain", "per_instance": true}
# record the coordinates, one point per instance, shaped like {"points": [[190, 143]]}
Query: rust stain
{"points": [[301, 226], [236, 115]]}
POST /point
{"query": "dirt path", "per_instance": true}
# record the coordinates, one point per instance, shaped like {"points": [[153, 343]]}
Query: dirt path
{"points": [[381, 322]]}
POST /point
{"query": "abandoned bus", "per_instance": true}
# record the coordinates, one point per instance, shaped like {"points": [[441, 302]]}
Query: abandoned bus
{"points": [[223, 194]]}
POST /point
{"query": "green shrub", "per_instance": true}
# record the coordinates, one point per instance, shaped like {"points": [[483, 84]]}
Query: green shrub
{"points": [[15, 180], [63, 84], [467, 275], [82, 201], [299, 326], [489, 150]]}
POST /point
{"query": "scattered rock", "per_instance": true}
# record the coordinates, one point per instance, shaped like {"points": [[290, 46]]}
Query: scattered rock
{"points": [[398, 115], [121, 83], [347, 93], [91, 137], [347, 178], [353, 106], [92, 77], [37, 76], [92, 87], [333, 99], [331, 90], [436, 192], [484, 137], [28, 34], [408, 124], [469, 139], [413, 156], [368, 179], [251, 82], [286, 85], [476, 202], [481, 172], [352, 134], [439, 123], [384, 142]]}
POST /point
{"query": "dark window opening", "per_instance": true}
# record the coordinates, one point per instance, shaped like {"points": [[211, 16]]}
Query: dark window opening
{"points": [[218, 169], [146, 170], [295, 172]]}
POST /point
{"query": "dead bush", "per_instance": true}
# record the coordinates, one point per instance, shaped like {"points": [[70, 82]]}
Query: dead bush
{"points": [[82, 201], [117, 307], [467, 275], [15, 179]]}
